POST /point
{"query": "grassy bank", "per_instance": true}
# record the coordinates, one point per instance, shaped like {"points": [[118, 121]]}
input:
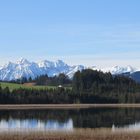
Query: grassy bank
{"points": [[13, 86], [79, 134]]}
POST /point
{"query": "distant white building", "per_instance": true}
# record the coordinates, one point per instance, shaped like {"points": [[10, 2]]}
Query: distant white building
{"points": [[60, 86]]}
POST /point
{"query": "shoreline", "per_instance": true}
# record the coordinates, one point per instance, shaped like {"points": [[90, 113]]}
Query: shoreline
{"points": [[64, 106]]}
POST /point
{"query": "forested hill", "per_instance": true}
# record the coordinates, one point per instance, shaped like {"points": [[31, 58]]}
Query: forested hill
{"points": [[97, 82], [88, 86]]}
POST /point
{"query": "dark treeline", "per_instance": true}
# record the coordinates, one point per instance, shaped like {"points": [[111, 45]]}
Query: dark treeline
{"points": [[88, 86], [60, 79], [118, 88]]}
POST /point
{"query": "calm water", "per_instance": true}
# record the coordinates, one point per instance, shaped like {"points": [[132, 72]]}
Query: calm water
{"points": [[67, 120]]}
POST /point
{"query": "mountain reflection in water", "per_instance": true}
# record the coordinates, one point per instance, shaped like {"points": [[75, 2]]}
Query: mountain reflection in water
{"points": [[131, 127], [70, 119], [35, 125]]}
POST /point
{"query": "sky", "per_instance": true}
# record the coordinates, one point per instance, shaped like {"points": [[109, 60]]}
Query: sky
{"points": [[101, 33]]}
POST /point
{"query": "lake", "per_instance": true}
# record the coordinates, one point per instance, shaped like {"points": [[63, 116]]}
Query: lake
{"points": [[70, 119]]}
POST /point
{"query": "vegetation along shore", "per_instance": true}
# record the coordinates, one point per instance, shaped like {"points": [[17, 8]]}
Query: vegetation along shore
{"points": [[78, 134]]}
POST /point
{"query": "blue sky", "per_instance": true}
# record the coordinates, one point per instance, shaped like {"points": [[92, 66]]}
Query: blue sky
{"points": [[91, 32]]}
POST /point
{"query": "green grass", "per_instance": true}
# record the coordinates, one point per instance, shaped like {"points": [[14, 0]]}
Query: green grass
{"points": [[13, 86]]}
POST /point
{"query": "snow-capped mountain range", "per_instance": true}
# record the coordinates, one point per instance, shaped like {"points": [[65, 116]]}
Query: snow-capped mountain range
{"points": [[25, 68]]}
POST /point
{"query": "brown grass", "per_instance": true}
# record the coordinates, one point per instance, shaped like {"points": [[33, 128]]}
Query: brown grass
{"points": [[78, 134], [29, 84]]}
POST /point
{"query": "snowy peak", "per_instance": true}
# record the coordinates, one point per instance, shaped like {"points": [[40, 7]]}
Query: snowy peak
{"points": [[8, 65], [25, 68], [60, 63], [119, 70], [74, 69], [23, 61], [45, 63]]}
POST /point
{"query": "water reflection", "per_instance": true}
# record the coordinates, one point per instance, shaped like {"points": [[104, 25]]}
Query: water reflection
{"points": [[68, 119], [131, 127], [35, 125]]}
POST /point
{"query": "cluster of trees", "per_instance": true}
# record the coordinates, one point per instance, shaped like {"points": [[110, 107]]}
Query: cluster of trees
{"points": [[97, 82], [35, 96], [60, 79], [21, 80], [88, 86], [116, 88]]}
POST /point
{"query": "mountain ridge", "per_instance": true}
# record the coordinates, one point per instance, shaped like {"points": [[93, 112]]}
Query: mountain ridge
{"points": [[26, 68]]}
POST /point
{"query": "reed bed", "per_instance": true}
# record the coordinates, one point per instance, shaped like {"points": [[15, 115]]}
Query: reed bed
{"points": [[77, 134]]}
